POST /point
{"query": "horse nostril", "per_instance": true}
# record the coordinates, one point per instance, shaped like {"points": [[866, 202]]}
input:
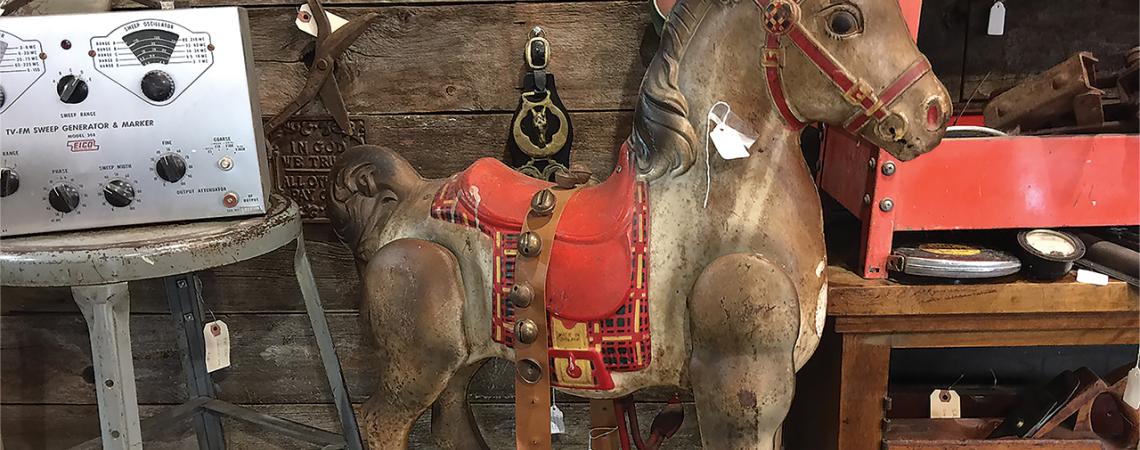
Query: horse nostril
{"points": [[892, 128], [933, 116]]}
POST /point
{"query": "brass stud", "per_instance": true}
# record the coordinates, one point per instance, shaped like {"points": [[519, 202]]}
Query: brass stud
{"points": [[526, 331], [521, 295], [529, 371], [530, 244], [543, 202]]}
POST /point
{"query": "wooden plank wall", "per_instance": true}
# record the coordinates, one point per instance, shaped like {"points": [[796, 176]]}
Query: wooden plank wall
{"points": [[438, 81]]}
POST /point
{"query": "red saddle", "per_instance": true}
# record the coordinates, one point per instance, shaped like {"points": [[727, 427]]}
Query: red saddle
{"points": [[591, 268]]}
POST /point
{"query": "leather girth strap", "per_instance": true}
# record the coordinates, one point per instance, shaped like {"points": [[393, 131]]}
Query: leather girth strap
{"points": [[532, 362]]}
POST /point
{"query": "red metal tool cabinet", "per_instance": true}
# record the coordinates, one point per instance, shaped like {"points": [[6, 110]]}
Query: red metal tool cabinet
{"points": [[980, 183]]}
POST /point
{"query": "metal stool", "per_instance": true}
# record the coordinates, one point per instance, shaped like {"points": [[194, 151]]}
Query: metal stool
{"points": [[98, 264]]}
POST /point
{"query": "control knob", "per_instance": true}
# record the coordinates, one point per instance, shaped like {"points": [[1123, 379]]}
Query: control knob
{"points": [[1, 96], [170, 168], [71, 89], [64, 198], [9, 182], [158, 85], [119, 193]]}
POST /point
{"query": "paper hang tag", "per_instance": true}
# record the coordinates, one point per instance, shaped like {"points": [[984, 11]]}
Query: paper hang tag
{"points": [[557, 424], [217, 337], [945, 404], [997, 19], [305, 21], [730, 143], [1132, 389]]}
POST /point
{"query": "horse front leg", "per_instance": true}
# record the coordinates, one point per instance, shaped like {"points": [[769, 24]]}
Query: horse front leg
{"points": [[744, 322], [413, 306]]}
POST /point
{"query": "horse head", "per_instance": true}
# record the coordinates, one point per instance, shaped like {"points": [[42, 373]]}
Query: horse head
{"points": [[852, 64], [782, 64], [366, 187]]}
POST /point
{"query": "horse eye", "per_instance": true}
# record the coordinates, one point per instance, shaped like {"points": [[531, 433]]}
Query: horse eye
{"points": [[843, 23]]}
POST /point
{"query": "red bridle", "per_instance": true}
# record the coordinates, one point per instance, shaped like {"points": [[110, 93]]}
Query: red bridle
{"points": [[782, 18]]}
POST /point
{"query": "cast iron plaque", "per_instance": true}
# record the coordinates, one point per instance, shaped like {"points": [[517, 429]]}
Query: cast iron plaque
{"points": [[301, 153]]}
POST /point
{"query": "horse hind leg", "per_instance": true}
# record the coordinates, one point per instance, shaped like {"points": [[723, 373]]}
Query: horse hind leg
{"points": [[744, 322], [453, 426], [413, 303]]}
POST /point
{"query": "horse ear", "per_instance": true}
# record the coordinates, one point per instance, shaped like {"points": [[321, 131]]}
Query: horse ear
{"points": [[365, 180], [366, 185], [355, 179]]}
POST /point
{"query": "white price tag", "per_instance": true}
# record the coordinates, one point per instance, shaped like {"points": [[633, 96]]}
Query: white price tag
{"points": [[729, 143], [996, 25], [557, 424], [945, 404], [305, 21], [1132, 388], [217, 336]]}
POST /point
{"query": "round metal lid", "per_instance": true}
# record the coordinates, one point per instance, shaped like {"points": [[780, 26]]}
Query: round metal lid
{"points": [[953, 261]]}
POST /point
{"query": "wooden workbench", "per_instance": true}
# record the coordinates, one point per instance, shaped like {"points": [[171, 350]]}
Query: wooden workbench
{"points": [[872, 317]]}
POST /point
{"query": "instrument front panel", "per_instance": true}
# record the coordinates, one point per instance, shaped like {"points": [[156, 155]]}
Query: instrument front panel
{"points": [[128, 118]]}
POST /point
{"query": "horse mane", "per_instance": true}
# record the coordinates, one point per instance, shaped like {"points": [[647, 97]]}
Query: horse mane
{"points": [[663, 137]]}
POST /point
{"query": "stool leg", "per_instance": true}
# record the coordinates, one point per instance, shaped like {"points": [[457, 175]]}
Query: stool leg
{"points": [[184, 295], [325, 345], [107, 309]]}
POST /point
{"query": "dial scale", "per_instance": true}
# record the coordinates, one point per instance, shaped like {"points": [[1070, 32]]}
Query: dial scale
{"points": [[128, 118]]}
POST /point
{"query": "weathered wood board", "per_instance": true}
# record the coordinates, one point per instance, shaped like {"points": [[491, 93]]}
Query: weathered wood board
{"points": [[61, 426], [46, 358], [437, 81], [463, 57], [1041, 34]]}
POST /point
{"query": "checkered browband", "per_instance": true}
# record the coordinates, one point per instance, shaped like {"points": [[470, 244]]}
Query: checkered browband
{"points": [[782, 18]]}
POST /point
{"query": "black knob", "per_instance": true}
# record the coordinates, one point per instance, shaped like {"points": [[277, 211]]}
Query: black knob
{"points": [[9, 182], [119, 193], [71, 89], [158, 86], [170, 168], [64, 198], [1, 96]]}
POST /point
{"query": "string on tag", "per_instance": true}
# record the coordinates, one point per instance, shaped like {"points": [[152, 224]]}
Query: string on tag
{"points": [[960, 377], [711, 118], [605, 432]]}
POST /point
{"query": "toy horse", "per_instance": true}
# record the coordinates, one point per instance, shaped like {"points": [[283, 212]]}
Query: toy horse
{"points": [[601, 290]]}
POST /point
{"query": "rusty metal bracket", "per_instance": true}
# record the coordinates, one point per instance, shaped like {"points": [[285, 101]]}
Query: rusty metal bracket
{"points": [[1065, 88], [321, 80]]}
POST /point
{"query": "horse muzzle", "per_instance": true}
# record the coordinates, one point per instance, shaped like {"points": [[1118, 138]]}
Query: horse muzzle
{"points": [[916, 122]]}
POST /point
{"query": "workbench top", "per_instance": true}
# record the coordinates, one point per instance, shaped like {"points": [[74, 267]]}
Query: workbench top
{"points": [[851, 295]]}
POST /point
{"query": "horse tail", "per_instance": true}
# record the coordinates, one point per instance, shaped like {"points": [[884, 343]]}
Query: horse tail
{"points": [[366, 186]]}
